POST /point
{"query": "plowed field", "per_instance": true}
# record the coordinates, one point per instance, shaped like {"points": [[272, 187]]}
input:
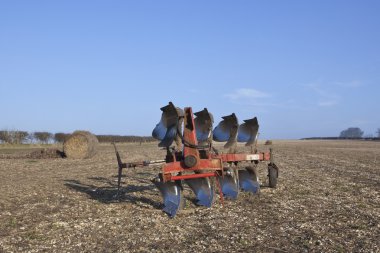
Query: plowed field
{"points": [[327, 200]]}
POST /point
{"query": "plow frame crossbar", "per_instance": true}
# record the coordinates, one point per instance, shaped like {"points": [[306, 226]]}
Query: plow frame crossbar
{"points": [[172, 171], [192, 176], [202, 164], [231, 158], [214, 163]]}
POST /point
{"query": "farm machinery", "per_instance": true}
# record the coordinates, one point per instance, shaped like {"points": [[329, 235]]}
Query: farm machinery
{"points": [[191, 158]]}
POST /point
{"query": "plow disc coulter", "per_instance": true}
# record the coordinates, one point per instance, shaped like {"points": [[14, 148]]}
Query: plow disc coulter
{"points": [[191, 158]]}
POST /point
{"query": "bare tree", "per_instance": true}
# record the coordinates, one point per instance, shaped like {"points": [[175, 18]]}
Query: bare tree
{"points": [[60, 137], [13, 136], [19, 137], [43, 137], [30, 138], [4, 136], [378, 132]]}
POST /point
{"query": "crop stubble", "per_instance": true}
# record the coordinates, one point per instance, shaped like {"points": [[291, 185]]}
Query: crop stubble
{"points": [[327, 199]]}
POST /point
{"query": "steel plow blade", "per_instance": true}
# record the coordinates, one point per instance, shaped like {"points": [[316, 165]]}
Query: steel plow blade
{"points": [[230, 184], [203, 125], [227, 130], [167, 129], [247, 131], [248, 180], [172, 194], [203, 190]]}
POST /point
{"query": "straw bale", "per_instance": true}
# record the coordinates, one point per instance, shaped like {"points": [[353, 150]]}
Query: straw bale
{"points": [[80, 145]]}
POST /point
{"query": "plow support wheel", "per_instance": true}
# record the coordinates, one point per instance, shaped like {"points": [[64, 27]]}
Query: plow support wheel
{"points": [[272, 175]]}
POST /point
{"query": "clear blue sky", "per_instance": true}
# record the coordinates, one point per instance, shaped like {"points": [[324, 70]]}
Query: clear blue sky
{"points": [[304, 68]]}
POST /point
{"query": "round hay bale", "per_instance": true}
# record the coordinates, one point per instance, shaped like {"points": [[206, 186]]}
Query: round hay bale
{"points": [[80, 145]]}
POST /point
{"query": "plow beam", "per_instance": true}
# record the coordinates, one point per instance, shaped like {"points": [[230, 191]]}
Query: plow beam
{"points": [[201, 185], [169, 177], [203, 164], [122, 166], [265, 156]]}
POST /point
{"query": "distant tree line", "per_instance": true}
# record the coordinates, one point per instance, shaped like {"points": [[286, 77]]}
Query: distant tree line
{"points": [[340, 138], [350, 133], [13, 137], [23, 137]]}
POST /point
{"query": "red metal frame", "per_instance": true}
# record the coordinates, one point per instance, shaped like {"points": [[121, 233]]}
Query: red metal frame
{"points": [[210, 164], [190, 176], [203, 164], [264, 156], [190, 135]]}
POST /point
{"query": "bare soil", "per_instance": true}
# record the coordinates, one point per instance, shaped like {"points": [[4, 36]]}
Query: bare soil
{"points": [[327, 200]]}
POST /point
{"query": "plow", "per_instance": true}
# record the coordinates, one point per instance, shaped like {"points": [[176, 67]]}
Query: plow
{"points": [[192, 159]]}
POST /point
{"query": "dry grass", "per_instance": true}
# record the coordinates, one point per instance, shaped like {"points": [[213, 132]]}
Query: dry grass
{"points": [[327, 200]]}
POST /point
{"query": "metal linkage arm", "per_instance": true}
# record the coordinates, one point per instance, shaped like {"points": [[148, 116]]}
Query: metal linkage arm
{"points": [[122, 165]]}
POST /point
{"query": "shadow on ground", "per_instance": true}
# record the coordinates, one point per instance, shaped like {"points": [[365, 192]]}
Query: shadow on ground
{"points": [[109, 194]]}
